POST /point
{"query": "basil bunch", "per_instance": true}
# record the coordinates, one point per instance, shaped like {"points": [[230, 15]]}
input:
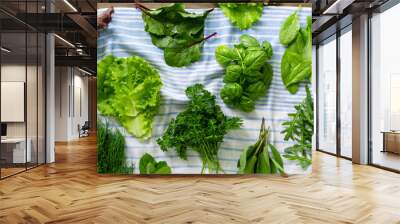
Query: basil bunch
{"points": [[296, 61], [248, 75]]}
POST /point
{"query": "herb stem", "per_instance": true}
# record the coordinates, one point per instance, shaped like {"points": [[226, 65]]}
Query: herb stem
{"points": [[204, 39], [138, 5]]}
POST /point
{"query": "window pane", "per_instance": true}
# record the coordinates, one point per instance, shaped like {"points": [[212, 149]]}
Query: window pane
{"points": [[346, 94], [15, 151], [385, 84], [327, 96]]}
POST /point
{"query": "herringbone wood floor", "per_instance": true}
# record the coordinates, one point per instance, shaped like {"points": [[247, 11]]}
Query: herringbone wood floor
{"points": [[70, 191]]}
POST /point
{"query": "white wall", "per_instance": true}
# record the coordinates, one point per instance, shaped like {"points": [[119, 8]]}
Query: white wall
{"points": [[70, 83]]}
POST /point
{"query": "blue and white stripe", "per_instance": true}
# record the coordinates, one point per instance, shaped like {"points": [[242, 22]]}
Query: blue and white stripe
{"points": [[125, 36]]}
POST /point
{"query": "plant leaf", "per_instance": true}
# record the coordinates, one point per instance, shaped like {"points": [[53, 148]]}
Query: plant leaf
{"points": [[242, 15], [144, 162], [179, 57], [289, 29], [225, 55]]}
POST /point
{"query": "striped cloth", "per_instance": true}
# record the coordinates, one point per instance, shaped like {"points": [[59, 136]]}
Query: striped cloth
{"points": [[125, 36]]}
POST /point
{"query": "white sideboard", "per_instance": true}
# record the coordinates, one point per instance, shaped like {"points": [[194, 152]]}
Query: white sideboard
{"points": [[18, 144]]}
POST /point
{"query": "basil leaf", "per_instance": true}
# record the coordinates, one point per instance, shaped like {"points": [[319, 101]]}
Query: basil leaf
{"points": [[248, 41], [231, 91], [256, 90], [225, 55], [254, 60], [267, 73], [246, 104], [268, 49], [233, 73]]}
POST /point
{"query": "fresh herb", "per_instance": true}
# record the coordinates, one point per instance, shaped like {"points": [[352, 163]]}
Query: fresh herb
{"points": [[178, 32], [200, 127], [111, 151], [262, 157], [296, 61], [242, 15], [300, 129], [289, 29], [148, 165], [248, 75], [129, 90]]}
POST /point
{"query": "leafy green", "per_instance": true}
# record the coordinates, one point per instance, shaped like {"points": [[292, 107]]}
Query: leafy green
{"points": [[200, 127], [289, 29], [296, 61], [262, 157], [300, 129], [111, 151], [248, 75], [178, 32], [148, 165], [242, 15], [129, 90]]}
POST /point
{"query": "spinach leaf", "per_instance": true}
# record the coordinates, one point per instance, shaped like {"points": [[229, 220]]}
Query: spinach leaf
{"points": [[296, 61], [289, 29], [242, 15], [178, 32]]}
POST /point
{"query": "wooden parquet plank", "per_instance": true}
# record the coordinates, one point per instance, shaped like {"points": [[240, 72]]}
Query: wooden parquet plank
{"points": [[70, 191]]}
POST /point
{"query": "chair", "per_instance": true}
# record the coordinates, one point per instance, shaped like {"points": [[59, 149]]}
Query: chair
{"points": [[84, 130]]}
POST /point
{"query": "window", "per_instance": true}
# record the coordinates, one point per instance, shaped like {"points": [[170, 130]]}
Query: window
{"points": [[327, 96], [385, 89], [346, 93]]}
